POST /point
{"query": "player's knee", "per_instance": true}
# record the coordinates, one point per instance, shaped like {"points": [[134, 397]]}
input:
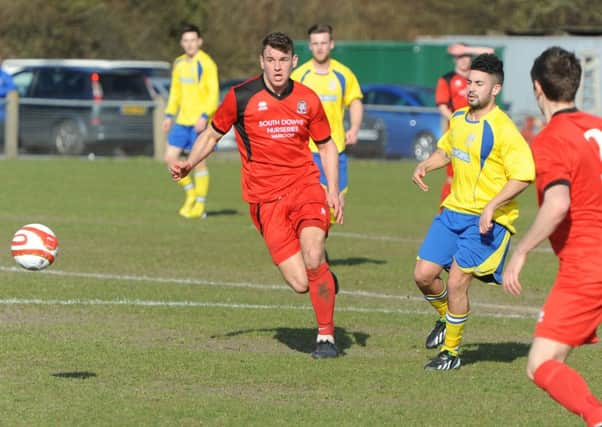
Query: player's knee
{"points": [[313, 257], [424, 276]]}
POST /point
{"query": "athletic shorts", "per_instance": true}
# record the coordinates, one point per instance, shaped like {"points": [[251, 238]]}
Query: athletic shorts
{"points": [[280, 222], [572, 311], [455, 236], [182, 136], [342, 171]]}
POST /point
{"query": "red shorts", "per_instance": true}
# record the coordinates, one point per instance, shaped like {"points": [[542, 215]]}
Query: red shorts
{"points": [[572, 312], [280, 222]]}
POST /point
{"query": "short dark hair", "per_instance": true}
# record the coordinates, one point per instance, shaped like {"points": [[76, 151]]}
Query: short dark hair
{"points": [[279, 41], [190, 28], [558, 71], [490, 64], [319, 29]]}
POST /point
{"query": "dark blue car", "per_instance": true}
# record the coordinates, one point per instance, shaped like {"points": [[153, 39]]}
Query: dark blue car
{"points": [[411, 120]]}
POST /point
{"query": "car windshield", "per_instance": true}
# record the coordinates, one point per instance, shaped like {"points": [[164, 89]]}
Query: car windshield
{"points": [[120, 86]]}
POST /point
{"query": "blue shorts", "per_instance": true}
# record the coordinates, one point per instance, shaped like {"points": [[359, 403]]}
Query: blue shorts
{"points": [[182, 136], [342, 171], [455, 236]]}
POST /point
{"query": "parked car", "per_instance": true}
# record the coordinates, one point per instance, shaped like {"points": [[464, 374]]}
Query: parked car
{"points": [[75, 106], [370, 138], [411, 120]]}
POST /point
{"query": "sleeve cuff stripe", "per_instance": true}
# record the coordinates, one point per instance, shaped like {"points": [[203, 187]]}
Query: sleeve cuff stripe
{"points": [[323, 141], [557, 182]]}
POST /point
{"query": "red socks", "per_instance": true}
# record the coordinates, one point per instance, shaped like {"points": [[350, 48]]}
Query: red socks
{"points": [[568, 388], [321, 293]]}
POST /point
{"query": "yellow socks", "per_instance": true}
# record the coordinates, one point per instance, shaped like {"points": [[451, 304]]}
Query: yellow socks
{"points": [[188, 187], [454, 329]]}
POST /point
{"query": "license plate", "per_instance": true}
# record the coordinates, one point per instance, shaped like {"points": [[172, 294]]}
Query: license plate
{"points": [[133, 110]]}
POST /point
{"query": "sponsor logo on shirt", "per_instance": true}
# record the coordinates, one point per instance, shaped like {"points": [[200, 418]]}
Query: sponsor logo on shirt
{"points": [[461, 155], [328, 98], [262, 106]]}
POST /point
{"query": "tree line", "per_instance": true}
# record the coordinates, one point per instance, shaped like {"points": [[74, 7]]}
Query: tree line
{"points": [[149, 29]]}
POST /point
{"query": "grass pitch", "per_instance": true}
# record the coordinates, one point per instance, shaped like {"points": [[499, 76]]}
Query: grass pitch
{"points": [[149, 319]]}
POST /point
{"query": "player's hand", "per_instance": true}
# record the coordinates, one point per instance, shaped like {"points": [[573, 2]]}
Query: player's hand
{"points": [[334, 202], [510, 281], [200, 125], [351, 136], [179, 170], [419, 173], [166, 125], [486, 220]]}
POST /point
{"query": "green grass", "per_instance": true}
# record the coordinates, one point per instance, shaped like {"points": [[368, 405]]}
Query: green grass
{"points": [[148, 319]]}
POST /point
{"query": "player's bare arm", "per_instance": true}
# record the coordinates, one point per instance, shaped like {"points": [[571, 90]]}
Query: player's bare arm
{"points": [[512, 189], [202, 148], [445, 111], [200, 124], [329, 156], [437, 160], [356, 112], [555, 206]]}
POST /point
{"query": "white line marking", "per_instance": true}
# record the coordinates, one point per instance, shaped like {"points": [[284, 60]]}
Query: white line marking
{"points": [[200, 282], [126, 302]]}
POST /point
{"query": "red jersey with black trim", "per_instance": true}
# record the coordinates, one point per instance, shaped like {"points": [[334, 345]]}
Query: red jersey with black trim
{"points": [[272, 134], [568, 152], [451, 91]]}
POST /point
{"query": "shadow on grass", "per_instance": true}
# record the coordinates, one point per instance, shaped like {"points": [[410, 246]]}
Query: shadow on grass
{"points": [[78, 375], [223, 212], [355, 261], [304, 339], [505, 352]]}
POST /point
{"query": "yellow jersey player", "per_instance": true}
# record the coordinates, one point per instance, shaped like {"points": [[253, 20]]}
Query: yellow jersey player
{"points": [[470, 237], [338, 88], [193, 98]]}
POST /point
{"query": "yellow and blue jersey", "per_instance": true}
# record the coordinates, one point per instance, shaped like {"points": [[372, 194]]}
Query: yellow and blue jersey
{"points": [[194, 90], [337, 89], [485, 155]]}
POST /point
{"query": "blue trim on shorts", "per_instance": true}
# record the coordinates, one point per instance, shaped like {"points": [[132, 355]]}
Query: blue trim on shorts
{"points": [[455, 236], [343, 183], [182, 136]]}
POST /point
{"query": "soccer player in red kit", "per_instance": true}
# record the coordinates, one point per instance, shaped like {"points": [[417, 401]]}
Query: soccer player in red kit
{"points": [[568, 164], [274, 118]]}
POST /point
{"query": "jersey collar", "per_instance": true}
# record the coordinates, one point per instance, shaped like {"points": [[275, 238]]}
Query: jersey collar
{"points": [[287, 90], [565, 111]]}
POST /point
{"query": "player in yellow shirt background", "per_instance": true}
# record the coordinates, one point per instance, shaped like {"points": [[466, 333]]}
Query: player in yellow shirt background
{"points": [[193, 98], [338, 88]]}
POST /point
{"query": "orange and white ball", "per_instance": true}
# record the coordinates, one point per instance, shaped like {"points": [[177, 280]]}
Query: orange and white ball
{"points": [[34, 247]]}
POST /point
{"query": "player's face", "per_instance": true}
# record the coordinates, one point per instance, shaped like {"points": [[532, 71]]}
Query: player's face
{"points": [[463, 63], [191, 43], [320, 45], [482, 89], [277, 67]]}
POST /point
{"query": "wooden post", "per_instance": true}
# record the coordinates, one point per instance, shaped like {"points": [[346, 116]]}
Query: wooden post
{"points": [[11, 130], [159, 137]]}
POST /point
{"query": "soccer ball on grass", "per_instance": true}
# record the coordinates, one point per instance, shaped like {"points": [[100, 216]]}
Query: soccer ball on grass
{"points": [[34, 246]]}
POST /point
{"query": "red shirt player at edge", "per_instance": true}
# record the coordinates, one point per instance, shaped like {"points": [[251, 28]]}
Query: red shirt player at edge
{"points": [[274, 118], [569, 191], [450, 93]]}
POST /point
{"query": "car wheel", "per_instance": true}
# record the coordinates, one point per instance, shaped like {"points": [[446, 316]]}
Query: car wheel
{"points": [[68, 138], [424, 145]]}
